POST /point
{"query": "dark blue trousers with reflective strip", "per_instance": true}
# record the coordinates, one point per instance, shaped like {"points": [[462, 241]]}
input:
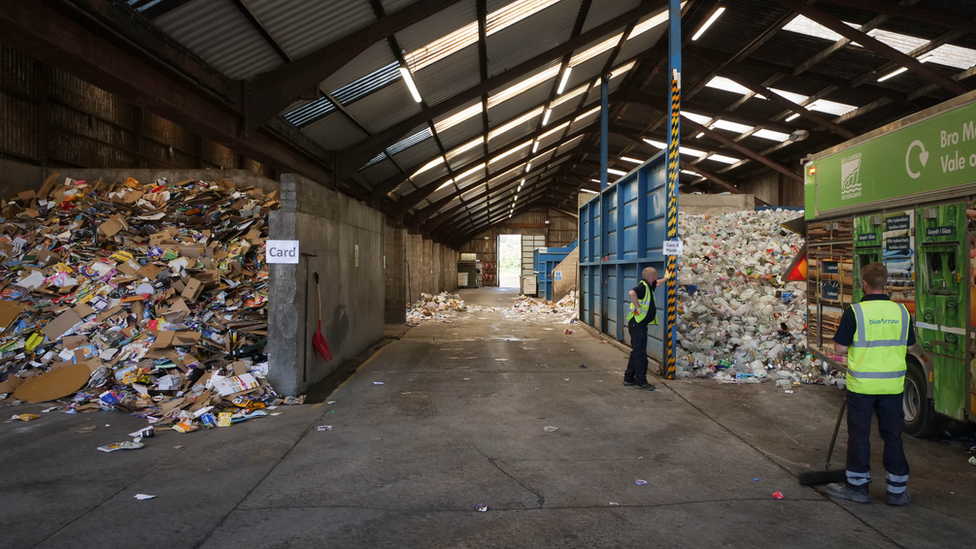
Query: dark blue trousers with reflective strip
{"points": [[891, 423]]}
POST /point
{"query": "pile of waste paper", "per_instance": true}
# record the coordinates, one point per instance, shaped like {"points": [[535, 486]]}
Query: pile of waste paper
{"points": [[737, 321], [145, 297], [528, 308], [443, 307]]}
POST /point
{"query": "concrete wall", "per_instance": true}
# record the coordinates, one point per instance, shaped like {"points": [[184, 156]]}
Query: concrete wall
{"points": [[17, 176], [330, 227], [394, 272], [715, 203], [775, 189]]}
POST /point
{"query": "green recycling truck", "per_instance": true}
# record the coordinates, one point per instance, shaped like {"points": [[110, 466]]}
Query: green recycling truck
{"points": [[903, 195]]}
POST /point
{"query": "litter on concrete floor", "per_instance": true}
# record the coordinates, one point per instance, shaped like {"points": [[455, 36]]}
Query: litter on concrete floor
{"points": [[449, 307], [149, 298], [737, 322]]}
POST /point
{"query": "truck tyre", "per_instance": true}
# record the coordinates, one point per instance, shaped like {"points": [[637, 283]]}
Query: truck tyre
{"points": [[921, 421]]}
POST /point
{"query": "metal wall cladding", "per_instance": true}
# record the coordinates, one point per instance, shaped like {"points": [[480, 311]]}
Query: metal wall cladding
{"points": [[531, 36], [384, 107], [375, 57], [220, 34], [437, 26], [450, 76], [303, 26], [18, 109], [604, 10], [622, 231], [334, 131]]}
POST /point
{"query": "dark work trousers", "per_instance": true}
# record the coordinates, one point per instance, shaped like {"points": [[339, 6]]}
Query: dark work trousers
{"points": [[637, 364], [891, 422]]}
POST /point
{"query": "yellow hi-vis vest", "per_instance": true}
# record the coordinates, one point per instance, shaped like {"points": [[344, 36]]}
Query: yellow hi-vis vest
{"points": [[876, 359], [645, 304]]}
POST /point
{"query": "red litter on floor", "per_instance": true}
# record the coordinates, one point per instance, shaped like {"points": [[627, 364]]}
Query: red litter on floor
{"points": [[569, 331], [778, 495]]}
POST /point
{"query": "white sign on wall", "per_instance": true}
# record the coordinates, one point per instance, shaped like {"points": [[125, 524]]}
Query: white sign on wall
{"points": [[673, 247], [558, 276], [282, 251]]}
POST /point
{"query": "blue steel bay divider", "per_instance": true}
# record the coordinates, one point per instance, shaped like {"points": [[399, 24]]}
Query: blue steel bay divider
{"points": [[613, 254], [545, 261]]}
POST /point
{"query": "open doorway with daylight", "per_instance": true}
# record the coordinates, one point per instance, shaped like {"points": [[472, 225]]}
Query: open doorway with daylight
{"points": [[509, 260]]}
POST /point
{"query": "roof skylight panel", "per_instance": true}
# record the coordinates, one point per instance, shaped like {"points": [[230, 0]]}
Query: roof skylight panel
{"points": [[596, 50], [523, 86], [648, 24], [378, 158], [569, 95], [731, 126], [367, 84], [514, 123], [830, 107], [549, 133], [442, 47], [509, 152], [720, 158], [622, 69], [590, 112], [700, 118], [478, 170], [794, 97], [953, 56], [725, 84], [513, 13], [409, 141], [466, 147], [457, 118], [771, 135], [803, 25], [901, 42], [310, 111], [429, 166]]}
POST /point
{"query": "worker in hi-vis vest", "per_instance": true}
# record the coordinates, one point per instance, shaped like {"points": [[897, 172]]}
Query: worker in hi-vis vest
{"points": [[876, 335], [642, 313]]}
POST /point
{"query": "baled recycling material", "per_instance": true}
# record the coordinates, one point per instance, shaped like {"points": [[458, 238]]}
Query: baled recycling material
{"points": [[157, 291]]}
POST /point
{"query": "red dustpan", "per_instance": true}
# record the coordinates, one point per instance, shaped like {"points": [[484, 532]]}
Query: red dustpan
{"points": [[318, 340]]}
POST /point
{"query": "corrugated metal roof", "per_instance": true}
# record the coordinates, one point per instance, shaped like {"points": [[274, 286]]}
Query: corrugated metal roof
{"points": [[385, 107], [641, 43], [462, 133], [418, 154], [437, 26], [302, 26], [333, 132], [604, 10], [525, 39], [467, 157], [381, 171], [220, 34], [449, 76], [375, 57]]}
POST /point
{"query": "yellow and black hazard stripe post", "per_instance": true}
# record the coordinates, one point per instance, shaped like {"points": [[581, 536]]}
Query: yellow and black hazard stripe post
{"points": [[674, 167]]}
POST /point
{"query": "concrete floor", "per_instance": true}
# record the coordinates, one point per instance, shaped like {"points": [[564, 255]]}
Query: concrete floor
{"points": [[458, 421]]}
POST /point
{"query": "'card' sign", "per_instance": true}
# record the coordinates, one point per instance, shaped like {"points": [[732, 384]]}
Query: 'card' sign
{"points": [[282, 251]]}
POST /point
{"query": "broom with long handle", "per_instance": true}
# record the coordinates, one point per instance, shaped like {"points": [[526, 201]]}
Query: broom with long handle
{"points": [[809, 478]]}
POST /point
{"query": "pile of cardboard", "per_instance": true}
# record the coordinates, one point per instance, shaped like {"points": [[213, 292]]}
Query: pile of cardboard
{"points": [[529, 308], [443, 307], [148, 297]]}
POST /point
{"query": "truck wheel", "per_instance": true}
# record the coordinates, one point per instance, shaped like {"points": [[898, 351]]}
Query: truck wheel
{"points": [[920, 418]]}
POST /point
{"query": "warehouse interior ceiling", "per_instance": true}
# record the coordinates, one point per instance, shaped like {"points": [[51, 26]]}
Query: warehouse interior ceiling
{"points": [[453, 115]]}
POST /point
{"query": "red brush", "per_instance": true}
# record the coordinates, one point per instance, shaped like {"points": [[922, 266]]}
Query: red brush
{"points": [[318, 340]]}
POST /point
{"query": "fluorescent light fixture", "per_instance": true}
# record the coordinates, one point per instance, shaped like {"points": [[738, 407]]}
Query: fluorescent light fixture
{"points": [[528, 167], [616, 172], [545, 117], [892, 74], [632, 160], [565, 80], [535, 147], [516, 198], [793, 117], [410, 85], [596, 181], [708, 23], [700, 134], [589, 191]]}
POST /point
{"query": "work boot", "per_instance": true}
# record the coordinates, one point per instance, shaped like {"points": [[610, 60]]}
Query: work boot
{"points": [[843, 490], [898, 499], [628, 383], [644, 386]]}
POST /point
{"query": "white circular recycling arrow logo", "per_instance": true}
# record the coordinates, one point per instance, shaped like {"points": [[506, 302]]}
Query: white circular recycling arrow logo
{"points": [[923, 156]]}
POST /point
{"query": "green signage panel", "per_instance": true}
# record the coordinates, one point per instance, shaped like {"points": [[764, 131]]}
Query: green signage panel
{"points": [[936, 153]]}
